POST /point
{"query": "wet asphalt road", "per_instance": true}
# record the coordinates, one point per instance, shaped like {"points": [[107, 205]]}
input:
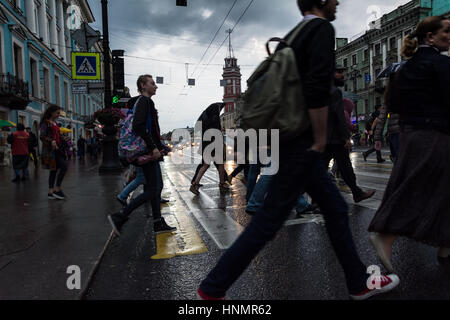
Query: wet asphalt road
{"points": [[41, 238], [298, 264]]}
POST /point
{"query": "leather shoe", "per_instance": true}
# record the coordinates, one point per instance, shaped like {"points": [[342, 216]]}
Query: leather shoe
{"points": [[364, 196]]}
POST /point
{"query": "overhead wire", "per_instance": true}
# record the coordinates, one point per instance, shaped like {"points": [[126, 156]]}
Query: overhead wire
{"points": [[223, 42]]}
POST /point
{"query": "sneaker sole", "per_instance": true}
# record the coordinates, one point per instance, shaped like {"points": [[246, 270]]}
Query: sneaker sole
{"points": [[167, 231], [58, 197], [395, 282], [113, 225]]}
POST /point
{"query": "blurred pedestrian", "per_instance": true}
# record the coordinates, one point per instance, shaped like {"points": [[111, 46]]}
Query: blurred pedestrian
{"points": [[339, 145], [53, 152], [420, 93], [371, 124], [19, 141], [210, 119], [32, 146], [81, 146]]}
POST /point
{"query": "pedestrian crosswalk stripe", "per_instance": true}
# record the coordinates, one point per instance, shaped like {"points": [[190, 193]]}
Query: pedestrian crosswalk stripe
{"points": [[184, 241]]}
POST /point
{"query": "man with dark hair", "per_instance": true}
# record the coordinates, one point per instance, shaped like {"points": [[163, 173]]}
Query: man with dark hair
{"points": [[301, 170], [339, 139]]}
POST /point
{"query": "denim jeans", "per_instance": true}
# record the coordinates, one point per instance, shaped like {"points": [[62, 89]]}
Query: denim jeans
{"points": [[256, 201], [133, 185], [62, 167], [253, 173], [301, 171], [393, 145], [152, 191]]}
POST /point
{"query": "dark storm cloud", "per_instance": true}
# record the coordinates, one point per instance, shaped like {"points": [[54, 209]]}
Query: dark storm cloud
{"points": [[264, 19]]}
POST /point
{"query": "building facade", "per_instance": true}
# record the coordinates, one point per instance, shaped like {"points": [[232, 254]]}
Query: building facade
{"points": [[35, 63], [369, 53]]}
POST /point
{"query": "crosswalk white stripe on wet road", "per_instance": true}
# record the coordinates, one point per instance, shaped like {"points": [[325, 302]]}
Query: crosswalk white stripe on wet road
{"points": [[224, 230]]}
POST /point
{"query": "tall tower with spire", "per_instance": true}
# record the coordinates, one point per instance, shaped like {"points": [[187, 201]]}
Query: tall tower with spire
{"points": [[232, 87]]}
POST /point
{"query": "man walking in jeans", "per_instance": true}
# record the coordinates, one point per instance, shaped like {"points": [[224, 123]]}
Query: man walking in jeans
{"points": [[302, 170]]}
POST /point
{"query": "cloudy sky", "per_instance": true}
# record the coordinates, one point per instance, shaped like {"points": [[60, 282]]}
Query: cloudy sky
{"points": [[152, 30]]}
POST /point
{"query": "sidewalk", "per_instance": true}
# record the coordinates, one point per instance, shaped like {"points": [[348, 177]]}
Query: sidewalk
{"points": [[41, 238]]}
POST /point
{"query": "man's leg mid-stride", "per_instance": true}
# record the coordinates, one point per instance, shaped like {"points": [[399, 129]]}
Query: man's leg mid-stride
{"points": [[283, 194]]}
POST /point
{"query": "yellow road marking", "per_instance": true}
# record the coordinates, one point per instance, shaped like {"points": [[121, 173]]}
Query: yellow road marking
{"points": [[184, 241]]}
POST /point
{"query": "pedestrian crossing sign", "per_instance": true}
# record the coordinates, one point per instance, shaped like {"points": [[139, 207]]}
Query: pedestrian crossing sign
{"points": [[85, 66]]}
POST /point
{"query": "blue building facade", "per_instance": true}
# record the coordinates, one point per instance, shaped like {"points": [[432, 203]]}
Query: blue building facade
{"points": [[35, 63]]}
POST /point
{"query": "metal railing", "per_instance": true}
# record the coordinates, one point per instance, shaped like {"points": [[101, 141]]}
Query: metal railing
{"points": [[12, 85]]}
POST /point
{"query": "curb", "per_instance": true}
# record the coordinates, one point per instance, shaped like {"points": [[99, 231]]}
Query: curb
{"points": [[94, 270]]}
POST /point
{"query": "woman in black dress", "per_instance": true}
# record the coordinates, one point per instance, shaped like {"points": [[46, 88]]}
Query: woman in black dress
{"points": [[416, 202]]}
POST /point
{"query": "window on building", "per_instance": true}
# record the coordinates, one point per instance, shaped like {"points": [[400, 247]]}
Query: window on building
{"points": [[392, 43], [34, 79], [407, 32], [22, 120], [377, 102], [49, 24], [36, 19], [57, 91], [18, 62], [366, 54], [66, 96], [366, 105], [85, 106], [354, 59], [46, 84], [378, 49], [345, 63]]}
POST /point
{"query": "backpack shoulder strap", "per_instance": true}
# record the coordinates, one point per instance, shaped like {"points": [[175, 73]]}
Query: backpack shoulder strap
{"points": [[290, 39]]}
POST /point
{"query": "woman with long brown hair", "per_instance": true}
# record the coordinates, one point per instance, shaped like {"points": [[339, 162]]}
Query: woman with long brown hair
{"points": [[417, 197], [53, 154]]}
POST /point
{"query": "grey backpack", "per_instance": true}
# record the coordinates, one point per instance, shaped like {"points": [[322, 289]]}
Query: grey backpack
{"points": [[274, 98]]}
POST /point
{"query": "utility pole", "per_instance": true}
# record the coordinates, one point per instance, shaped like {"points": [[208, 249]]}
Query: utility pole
{"points": [[106, 56], [111, 163]]}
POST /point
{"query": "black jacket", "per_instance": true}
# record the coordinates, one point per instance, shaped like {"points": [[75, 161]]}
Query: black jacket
{"points": [[316, 59], [210, 118], [337, 124], [423, 90], [145, 110]]}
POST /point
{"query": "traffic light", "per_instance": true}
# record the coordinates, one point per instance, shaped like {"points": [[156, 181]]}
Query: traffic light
{"points": [[182, 3], [115, 99]]}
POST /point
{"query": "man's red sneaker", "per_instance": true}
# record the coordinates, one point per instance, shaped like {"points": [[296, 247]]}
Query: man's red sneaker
{"points": [[387, 283], [204, 296]]}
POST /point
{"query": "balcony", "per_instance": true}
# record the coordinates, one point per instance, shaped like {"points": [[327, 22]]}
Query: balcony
{"points": [[13, 92]]}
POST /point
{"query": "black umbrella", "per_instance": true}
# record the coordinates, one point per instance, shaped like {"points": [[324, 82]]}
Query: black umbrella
{"points": [[393, 68]]}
